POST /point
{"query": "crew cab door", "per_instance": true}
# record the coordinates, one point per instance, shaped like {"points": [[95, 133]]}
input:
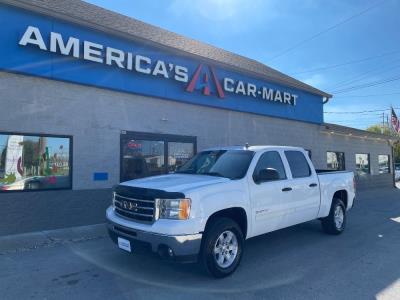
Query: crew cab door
{"points": [[270, 200], [305, 191]]}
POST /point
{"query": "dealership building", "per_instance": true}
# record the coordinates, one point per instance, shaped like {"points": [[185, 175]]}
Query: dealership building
{"points": [[90, 98]]}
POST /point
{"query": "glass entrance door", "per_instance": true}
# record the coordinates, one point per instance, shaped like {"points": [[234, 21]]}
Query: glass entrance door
{"points": [[147, 154]]}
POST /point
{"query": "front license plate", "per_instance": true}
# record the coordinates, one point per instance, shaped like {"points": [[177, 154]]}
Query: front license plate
{"points": [[124, 244]]}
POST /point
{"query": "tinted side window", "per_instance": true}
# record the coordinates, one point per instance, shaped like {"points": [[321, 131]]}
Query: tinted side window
{"points": [[271, 159], [298, 164]]}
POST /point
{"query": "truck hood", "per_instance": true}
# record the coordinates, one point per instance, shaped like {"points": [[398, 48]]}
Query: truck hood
{"points": [[175, 182]]}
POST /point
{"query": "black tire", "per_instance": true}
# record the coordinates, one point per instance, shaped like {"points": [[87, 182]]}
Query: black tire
{"points": [[328, 223], [213, 232]]}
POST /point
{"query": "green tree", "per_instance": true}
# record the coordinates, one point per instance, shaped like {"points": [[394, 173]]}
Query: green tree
{"points": [[30, 154], [378, 129]]}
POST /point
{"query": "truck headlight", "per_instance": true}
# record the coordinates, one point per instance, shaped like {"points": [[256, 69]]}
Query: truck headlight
{"points": [[177, 209]]}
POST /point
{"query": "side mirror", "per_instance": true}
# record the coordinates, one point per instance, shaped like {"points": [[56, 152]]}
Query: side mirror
{"points": [[268, 174]]}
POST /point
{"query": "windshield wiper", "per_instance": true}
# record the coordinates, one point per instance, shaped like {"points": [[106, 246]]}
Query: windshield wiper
{"points": [[205, 173], [213, 174], [185, 172]]}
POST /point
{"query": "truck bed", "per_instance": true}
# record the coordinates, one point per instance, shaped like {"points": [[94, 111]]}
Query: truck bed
{"points": [[324, 171]]}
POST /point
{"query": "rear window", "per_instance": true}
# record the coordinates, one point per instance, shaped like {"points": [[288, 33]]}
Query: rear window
{"points": [[298, 164]]}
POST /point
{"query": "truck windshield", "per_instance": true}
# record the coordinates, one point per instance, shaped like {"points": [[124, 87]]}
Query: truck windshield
{"points": [[231, 164]]}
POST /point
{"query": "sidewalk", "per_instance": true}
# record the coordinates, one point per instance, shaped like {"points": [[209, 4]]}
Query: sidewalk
{"points": [[51, 238]]}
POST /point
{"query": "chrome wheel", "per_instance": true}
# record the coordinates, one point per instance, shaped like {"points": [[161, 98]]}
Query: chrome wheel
{"points": [[339, 216], [225, 249]]}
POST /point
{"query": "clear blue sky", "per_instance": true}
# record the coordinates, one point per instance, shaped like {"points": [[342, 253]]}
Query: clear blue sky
{"points": [[262, 29]]}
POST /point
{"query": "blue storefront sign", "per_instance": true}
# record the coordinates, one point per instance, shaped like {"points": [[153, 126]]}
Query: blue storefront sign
{"points": [[100, 176], [42, 46]]}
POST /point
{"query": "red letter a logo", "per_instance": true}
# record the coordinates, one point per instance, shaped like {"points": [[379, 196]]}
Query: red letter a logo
{"points": [[206, 88]]}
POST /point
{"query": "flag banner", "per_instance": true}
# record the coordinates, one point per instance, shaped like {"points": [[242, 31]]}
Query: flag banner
{"points": [[13, 163], [395, 122]]}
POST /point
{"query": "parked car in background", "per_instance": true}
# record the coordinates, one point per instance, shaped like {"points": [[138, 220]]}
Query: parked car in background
{"points": [[37, 183], [29, 183], [223, 196]]}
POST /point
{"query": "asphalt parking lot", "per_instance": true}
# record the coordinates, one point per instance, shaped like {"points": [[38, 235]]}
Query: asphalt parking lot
{"points": [[300, 262]]}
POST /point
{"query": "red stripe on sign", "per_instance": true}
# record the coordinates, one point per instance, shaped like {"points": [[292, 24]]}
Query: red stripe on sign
{"points": [[192, 83]]}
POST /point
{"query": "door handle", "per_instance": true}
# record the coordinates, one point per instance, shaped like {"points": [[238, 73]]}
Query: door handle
{"points": [[313, 185], [286, 189]]}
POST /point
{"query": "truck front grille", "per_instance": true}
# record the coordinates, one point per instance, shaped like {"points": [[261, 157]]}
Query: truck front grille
{"points": [[142, 210]]}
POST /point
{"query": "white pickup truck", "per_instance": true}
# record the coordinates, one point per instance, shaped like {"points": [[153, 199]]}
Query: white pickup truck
{"points": [[223, 196]]}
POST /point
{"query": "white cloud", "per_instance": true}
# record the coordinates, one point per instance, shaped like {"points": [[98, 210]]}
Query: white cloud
{"points": [[233, 15], [315, 80], [215, 10]]}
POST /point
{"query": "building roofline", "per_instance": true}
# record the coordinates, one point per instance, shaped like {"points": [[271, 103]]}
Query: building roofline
{"points": [[101, 19], [349, 131]]}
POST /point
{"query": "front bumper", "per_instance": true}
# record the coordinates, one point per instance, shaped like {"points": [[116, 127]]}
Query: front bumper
{"points": [[181, 248]]}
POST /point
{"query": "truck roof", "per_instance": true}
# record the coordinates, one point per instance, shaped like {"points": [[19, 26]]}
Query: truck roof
{"points": [[254, 148]]}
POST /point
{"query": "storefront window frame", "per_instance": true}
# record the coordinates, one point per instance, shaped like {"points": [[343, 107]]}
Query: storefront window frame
{"points": [[49, 135], [369, 164], [147, 136], [389, 164], [169, 155], [336, 153]]}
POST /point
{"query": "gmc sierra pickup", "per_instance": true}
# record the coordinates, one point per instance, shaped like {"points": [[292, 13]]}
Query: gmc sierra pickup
{"points": [[223, 196]]}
